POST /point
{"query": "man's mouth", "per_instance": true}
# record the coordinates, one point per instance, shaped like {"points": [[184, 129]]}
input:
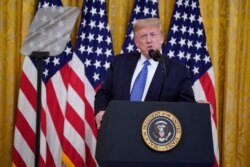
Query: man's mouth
{"points": [[150, 47]]}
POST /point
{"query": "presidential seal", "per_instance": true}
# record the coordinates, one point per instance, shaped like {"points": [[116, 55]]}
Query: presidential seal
{"points": [[161, 131]]}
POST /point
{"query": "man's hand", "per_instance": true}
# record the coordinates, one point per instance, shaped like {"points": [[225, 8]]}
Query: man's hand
{"points": [[98, 119]]}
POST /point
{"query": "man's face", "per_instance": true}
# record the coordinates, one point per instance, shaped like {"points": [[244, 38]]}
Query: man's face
{"points": [[148, 38]]}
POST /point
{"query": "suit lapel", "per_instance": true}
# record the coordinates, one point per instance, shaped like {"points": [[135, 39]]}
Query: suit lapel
{"points": [[157, 81], [131, 64], [154, 87]]}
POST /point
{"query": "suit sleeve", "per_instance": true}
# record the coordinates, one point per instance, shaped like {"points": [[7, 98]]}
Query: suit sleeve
{"points": [[185, 88], [104, 94]]}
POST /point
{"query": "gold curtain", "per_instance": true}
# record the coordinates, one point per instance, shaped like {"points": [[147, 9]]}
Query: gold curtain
{"points": [[227, 25], [15, 16]]}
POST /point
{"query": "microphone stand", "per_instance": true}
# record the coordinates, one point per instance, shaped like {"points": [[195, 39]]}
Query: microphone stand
{"points": [[156, 56], [39, 56], [163, 65]]}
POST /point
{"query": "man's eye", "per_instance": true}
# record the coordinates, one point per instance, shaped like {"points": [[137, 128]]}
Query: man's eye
{"points": [[153, 35]]}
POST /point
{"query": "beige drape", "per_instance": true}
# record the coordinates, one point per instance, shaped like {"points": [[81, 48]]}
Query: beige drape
{"points": [[227, 25]]}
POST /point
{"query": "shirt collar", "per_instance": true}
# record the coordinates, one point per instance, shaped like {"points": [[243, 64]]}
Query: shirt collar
{"points": [[143, 59]]}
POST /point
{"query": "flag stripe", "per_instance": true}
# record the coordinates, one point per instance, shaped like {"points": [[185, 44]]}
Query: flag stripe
{"points": [[85, 91], [42, 163], [82, 81], [43, 141], [52, 147], [209, 89], [42, 149], [17, 158], [29, 90], [25, 153], [54, 109], [23, 111], [31, 72], [211, 75], [28, 134], [90, 117], [198, 91], [90, 142], [60, 89], [74, 137], [90, 161], [77, 104], [55, 121], [215, 143], [70, 155], [49, 157], [75, 120]]}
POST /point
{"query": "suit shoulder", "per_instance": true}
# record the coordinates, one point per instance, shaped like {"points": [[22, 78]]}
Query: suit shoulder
{"points": [[174, 63], [126, 57]]}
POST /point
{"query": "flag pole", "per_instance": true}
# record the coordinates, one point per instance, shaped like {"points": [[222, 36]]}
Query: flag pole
{"points": [[39, 56]]}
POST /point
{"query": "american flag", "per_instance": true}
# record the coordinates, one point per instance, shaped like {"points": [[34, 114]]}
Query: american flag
{"points": [[55, 74], [142, 9], [186, 43], [92, 58]]}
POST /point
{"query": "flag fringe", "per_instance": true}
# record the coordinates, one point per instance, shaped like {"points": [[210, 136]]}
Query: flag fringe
{"points": [[13, 164], [66, 160]]}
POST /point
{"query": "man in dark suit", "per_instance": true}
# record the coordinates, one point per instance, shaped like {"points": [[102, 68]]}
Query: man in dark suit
{"points": [[166, 80]]}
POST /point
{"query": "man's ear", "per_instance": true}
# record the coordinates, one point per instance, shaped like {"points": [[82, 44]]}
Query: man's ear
{"points": [[135, 40], [162, 39]]}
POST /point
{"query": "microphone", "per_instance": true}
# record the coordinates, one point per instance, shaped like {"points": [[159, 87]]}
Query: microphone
{"points": [[155, 55]]}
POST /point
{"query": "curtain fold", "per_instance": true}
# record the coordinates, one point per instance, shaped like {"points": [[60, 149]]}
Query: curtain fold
{"points": [[15, 17], [235, 126], [227, 26]]}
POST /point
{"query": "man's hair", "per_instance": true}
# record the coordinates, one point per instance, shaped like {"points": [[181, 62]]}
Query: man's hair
{"points": [[148, 22]]}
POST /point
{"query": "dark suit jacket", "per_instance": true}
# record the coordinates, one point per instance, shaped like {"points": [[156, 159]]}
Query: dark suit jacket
{"points": [[116, 86]]}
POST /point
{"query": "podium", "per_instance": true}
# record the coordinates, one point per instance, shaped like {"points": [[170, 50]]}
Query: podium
{"points": [[120, 142]]}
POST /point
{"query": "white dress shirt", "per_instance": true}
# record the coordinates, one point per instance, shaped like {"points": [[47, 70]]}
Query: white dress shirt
{"points": [[151, 71]]}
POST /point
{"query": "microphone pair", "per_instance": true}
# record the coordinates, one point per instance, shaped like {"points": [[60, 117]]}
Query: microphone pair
{"points": [[156, 56]]}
